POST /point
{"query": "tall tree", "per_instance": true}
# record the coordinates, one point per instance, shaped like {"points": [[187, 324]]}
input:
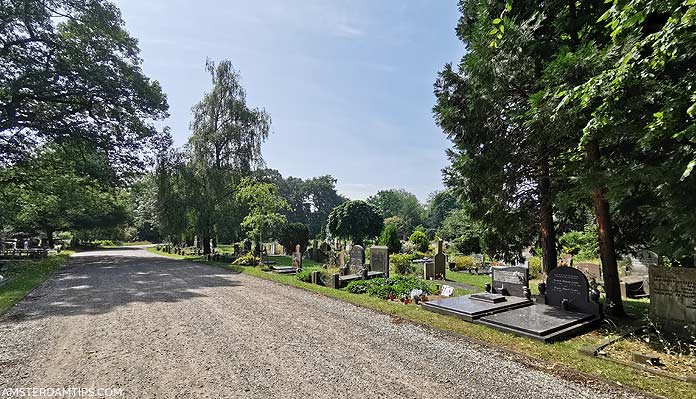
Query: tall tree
{"points": [[69, 71], [356, 220], [399, 203]]}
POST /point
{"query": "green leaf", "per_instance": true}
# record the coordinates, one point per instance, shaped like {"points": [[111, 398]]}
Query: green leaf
{"points": [[497, 21], [689, 169], [502, 28], [493, 31]]}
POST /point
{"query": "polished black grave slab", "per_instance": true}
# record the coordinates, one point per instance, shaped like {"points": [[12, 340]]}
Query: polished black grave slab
{"points": [[542, 322], [471, 307]]}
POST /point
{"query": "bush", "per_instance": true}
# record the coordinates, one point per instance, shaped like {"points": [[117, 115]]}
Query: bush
{"points": [[390, 238], [402, 263], [534, 267], [408, 248], [464, 263], [247, 260], [583, 244], [306, 274], [420, 240], [382, 287]]}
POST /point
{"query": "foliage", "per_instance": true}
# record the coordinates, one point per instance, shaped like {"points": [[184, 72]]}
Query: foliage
{"points": [[420, 240], [306, 274], [292, 234], [310, 201], [464, 263], [390, 238], [534, 267], [583, 244], [69, 71], [399, 203], [356, 220], [264, 219], [438, 208], [382, 287], [247, 260], [197, 186], [402, 263]]}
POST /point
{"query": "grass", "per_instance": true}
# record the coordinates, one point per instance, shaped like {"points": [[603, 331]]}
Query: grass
{"points": [[554, 355], [25, 276]]}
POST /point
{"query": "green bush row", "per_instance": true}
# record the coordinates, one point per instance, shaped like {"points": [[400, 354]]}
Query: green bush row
{"points": [[397, 285]]}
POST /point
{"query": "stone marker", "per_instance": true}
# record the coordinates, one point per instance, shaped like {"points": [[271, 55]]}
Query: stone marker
{"points": [[673, 299], [447, 290], [439, 261], [591, 270], [341, 260], [567, 287], [297, 257], [567, 260], [510, 280], [315, 250], [428, 270], [357, 259], [379, 259], [236, 250], [641, 262]]}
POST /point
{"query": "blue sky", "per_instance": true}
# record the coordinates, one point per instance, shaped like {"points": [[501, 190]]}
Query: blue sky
{"points": [[348, 84]]}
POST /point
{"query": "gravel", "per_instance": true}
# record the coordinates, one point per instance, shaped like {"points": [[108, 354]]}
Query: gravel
{"points": [[158, 327]]}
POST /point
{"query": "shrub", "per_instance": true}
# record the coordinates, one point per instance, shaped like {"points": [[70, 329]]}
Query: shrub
{"points": [[402, 263], [408, 248], [247, 260], [420, 240], [583, 244], [306, 274], [390, 238], [534, 267], [464, 263], [382, 287]]}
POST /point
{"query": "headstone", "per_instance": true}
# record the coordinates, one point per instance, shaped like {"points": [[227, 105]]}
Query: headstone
{"points": [[379, 259], [195, 241], [26, 244], [247, 246], [212, 248], [510, 280], [273, 248], [341, 259], [428, 270], [440, 261], [567, 287], [591, 270], [641, 262], [357, 258], [297, 257], [236, 250], [673, 299], [315, 250], [478, 258]]}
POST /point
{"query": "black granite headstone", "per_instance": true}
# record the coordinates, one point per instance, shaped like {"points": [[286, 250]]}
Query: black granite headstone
{"points": [[567, 287], [510, 280]]}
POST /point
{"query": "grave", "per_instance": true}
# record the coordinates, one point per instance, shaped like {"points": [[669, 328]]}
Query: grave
{"points": [[591, 270], [357, 259], [379, 260], [564, 309], [673, 299], [296, 263], [440, 260], [428, 270], [635, 282], [506, 291]]}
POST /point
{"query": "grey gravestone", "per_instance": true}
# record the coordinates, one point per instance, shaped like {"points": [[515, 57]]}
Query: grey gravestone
{"points": [[297, 257], [247, 246], [236, 250], [379, 259], [357, 258], [440, 261], [428, 270], [641, 262], [510, 280], [315, 250], [567, 260], [673, 298], [341, 259], [591, 270]]}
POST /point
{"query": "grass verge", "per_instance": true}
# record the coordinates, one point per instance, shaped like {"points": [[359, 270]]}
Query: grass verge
{"points": [[24, 276], [554, 355]]}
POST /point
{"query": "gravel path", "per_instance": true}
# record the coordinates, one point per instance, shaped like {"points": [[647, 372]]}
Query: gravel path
{"points": [[160, 328]]}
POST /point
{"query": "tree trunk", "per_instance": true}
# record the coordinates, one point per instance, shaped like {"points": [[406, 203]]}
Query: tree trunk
{"points": [[548, 230], [607, 252], [49, 237], [206, 243]]}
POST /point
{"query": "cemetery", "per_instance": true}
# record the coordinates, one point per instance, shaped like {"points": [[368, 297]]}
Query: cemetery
{"points": [[536, 195]]}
